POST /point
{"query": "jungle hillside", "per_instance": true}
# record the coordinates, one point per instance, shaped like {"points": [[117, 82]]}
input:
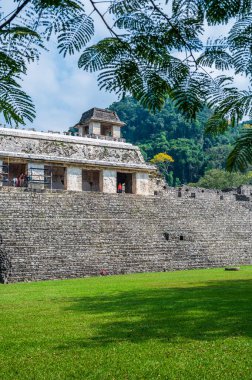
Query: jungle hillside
{"points": [[195, 152]]}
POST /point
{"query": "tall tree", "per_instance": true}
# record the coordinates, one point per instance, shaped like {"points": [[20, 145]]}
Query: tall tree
{"points": [[156, 51]]}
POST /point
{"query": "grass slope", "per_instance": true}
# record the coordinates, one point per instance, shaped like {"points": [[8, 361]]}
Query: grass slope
{"points": [[181, 325]]}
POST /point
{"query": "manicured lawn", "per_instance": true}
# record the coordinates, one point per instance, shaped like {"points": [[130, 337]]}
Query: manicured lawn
{"points": [[181, 325]]}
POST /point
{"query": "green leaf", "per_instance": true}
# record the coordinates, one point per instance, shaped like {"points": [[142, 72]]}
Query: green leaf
{"points": [[241, 156]]}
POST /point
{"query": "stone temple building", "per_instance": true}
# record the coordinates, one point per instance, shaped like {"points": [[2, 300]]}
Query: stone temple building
{"points": [[90, 229], [96, 159]]}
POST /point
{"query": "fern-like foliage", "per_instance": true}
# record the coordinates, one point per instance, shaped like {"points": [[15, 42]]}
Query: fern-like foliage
{"points": [[241, 156], [23, 38], [155, 55], [15, 104]]}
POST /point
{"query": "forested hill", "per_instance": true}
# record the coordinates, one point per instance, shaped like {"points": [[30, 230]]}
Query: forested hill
{"points": [[167, 131]]}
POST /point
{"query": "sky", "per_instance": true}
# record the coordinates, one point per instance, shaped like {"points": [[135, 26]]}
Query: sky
{"points": [[61, 91]]}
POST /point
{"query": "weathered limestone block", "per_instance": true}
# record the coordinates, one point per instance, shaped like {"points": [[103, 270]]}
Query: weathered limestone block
{"points": [[116, 131], [45, 146], [141, 183], [109, 181], [95, 128], [74, 234], [74, 179], [1, 173]]}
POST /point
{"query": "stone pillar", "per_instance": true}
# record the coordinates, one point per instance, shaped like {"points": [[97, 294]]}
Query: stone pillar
{"points": [[74, 179], [116, 131], [141, 184], [108, 181], [95, 128], [1, 173], [36, 173]]}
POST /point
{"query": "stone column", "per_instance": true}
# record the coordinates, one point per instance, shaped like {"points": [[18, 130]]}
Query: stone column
{"points": [[74, 178], [116, 131], [1, 173], [95, 128], [36, 173], [108, 181], [141, 183]]}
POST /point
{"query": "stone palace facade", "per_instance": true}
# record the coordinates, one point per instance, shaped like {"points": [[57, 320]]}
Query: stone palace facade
{"points": [[96, 159]]}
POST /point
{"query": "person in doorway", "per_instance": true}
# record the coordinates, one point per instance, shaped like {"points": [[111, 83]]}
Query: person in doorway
{"points": [[14, 181], [119, 188], [21, 180]]}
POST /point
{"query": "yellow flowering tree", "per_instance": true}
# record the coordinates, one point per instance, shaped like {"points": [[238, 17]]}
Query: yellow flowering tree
{"points": [[164, 163]]}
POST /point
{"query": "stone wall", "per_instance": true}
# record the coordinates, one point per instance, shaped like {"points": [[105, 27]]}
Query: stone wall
{"points": [[68, 149], [64, 235]]}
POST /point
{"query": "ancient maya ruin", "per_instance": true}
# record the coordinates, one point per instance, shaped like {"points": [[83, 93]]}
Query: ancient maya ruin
{"points": [[66, 218], [97, 159]]}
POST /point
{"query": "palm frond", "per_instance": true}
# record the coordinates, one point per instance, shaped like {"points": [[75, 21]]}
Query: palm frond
{"points": [[216, 55], [190, 94], [241, 156], [216, 124], [218, 12], [239, 42], [120, 7], [15, 104], [75, 35]]}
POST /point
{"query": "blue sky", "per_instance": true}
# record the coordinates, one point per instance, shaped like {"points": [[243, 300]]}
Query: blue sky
{"points": [[61, 92]]}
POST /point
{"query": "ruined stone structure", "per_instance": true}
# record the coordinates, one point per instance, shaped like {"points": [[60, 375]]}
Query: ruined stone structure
{"points": [[47, 232], [95, 160]]}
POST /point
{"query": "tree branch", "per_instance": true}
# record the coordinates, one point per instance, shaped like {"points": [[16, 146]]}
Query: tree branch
{"points": [[103, 19], [14, 14]]}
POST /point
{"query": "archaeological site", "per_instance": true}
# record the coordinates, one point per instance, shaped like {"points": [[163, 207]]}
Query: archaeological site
{"points": [[86, 203]]}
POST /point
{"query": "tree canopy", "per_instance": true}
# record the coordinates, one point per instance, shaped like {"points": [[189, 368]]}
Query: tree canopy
{"points": [[169, 132], [23, 35], [222, 180], [155, 51]]}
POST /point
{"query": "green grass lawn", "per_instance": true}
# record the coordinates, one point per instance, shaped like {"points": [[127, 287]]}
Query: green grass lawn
{"points": [[182, 325]]}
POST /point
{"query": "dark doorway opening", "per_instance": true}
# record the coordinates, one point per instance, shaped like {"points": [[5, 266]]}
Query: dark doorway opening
{"points": [[125, 179], [13, 172], [106, 130], [55, 177], [91, 180]]}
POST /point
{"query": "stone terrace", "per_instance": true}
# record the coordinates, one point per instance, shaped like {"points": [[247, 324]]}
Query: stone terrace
{"points": [[64, 235]]}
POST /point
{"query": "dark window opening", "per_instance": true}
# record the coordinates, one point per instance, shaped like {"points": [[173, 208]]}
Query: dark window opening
{"points": [[124, 183], [181, 237], [106, 130], [91, 180], [166, 235]]}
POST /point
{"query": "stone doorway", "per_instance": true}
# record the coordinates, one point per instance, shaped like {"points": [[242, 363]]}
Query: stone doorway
{"points": [[91, 180], [13, 170], [125, 179]]}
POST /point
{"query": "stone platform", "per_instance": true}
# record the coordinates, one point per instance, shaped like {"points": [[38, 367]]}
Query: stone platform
{"points": [[67, 234]]}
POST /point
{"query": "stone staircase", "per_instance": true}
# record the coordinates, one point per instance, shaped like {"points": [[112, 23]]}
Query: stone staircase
{"points": [[64, 235]]}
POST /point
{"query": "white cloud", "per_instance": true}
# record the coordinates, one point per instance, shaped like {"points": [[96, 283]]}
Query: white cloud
{"points": [[61, 92]]}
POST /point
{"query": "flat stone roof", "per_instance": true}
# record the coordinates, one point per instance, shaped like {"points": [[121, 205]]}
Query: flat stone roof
{"points": [[50, 147], [65, 138]]}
